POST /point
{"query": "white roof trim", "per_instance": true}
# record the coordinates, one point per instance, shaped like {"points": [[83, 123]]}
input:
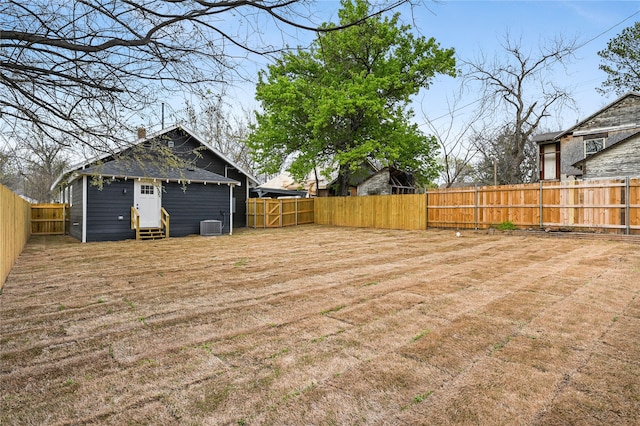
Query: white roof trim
{"points": [[606, 129], [83, 164]]}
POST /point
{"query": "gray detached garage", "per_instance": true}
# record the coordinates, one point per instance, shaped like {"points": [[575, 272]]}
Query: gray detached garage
{"points": [[151, 195]]}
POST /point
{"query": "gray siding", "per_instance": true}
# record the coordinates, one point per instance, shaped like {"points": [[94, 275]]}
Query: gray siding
{"points": [[105, 206], [75, 210], [619, 114], [614, 119], [377, 184], [240, 194], [620, 160], [571, 151], [198, 202]]}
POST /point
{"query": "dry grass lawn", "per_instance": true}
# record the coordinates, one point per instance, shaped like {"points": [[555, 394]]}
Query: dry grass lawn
{"points": [[323, 325]]}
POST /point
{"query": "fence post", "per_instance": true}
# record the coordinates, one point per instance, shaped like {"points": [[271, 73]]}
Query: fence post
{"points": [[264, 210], [541, 206], [426, 200], [627, 207], [296, 207], [476, 216], [280, 215], [255, 213]]}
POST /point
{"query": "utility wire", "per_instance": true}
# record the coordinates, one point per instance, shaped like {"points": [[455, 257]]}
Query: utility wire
{"points": [[578, 47], [607, 30]]}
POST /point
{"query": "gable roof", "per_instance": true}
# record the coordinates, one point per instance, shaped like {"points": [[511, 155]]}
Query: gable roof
{"points": [[571, 129], [87, 164], [397, 177], [262, 192], [210, 148], [545, 137], [612, 142], [151, 170], [285, 181], [365, 171]]}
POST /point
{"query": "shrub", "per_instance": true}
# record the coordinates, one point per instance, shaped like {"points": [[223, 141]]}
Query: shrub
{"points": [[507, 225]]}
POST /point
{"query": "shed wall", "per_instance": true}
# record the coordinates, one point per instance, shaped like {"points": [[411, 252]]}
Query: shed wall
{"points": [[109, 211], [571, 151], [377, 184], [198, 202]]}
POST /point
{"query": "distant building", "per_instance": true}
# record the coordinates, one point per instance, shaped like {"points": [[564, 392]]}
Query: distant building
{"points": [[604, 145]]}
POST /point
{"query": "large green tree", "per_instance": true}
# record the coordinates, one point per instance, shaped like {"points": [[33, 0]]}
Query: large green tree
{"points": [[346, 99], [622, 61]]}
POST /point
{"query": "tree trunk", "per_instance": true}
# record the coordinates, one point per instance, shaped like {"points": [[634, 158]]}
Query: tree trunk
{"points": [[344, 176]]}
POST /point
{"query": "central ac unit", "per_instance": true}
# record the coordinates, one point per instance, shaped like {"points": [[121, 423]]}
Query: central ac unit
{"points": [[210, 227]]}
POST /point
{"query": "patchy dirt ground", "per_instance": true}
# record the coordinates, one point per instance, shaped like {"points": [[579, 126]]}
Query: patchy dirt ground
{"points": [[323, 325]]}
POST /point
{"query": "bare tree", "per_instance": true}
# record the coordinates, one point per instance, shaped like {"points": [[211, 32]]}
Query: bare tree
{"points": [[518, 92], [9, 175], [40, 160], [494, 164], [90, 69], [455, 140], [222, 128]]}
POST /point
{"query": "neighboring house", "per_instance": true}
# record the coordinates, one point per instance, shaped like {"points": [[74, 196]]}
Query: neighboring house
{"points": [[282, 185], [549, 155], [323, 186], [604, 145], [267, 192], [367, 180], [621, 158], [387, 181], [106, 194], [366, 170]]}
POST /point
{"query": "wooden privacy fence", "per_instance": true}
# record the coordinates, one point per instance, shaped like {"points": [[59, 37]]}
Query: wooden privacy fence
{"points": [[49, 219], [374, 211], [270, 213], [15, 227], [611, 206]]}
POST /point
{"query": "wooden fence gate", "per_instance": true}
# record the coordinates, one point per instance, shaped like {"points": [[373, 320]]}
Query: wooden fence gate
{"points": [[270, 213], [49, 219]]}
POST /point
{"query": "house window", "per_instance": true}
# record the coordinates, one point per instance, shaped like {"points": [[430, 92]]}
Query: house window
{"points": [[591, 146], [550, 161], [146, 189]]}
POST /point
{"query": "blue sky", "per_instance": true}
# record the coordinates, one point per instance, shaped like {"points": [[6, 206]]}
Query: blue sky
{"points": [[472, 27]]}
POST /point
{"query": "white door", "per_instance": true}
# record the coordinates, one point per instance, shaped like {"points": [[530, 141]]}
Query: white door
{"points": [[148, 202]]}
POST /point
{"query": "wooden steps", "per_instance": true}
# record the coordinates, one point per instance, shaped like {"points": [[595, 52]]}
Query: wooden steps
{"points": [[151, 234]]}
